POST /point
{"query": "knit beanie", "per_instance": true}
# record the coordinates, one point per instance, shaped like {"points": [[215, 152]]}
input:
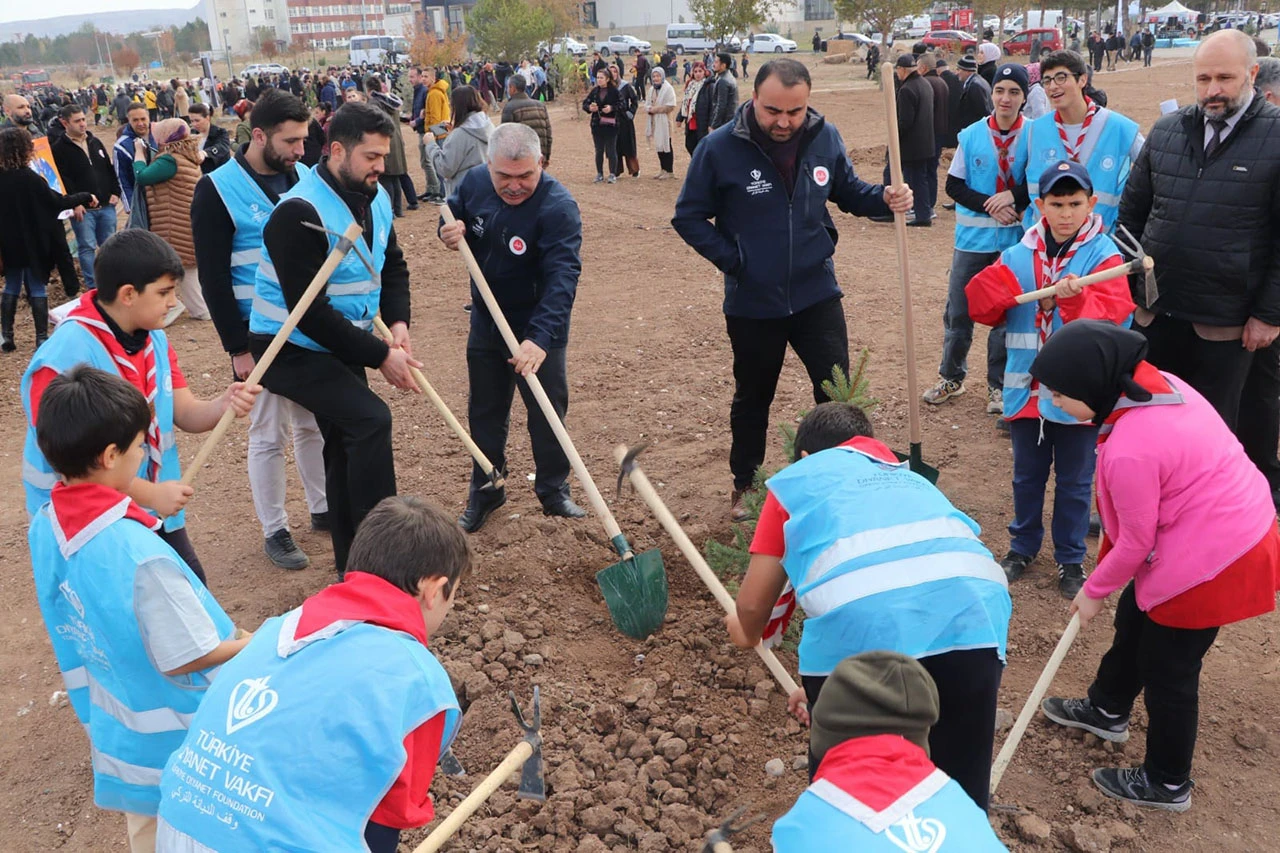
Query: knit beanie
{"points": [[874, 693], [967, 63], [1017, 73], [1093, 361]]}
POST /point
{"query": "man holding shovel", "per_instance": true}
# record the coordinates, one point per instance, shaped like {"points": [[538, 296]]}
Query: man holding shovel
{"points": [[525, 229], [754, 203]]}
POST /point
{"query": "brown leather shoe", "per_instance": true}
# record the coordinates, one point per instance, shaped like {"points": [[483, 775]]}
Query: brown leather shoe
{"points": [[738, 512]]}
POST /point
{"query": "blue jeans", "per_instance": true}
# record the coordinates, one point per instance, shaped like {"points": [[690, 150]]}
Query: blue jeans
{"points": [[15, 279], [957, 327], [92, 232], [1070, 449]]}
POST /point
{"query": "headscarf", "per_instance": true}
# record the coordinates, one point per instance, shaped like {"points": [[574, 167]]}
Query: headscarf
{"points": [[657, 69], [1093, 361], [1033, 73]]}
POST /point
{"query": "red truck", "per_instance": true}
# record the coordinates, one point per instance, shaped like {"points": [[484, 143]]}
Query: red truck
{"points": [[952, 19]]}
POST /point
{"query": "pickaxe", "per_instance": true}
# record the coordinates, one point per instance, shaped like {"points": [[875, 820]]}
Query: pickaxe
{"points": [[533, 785], [1142, 263], [717, 840], [1125, 240]]}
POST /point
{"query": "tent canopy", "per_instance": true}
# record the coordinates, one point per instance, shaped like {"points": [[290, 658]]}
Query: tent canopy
{"points": [[1172, 10]]}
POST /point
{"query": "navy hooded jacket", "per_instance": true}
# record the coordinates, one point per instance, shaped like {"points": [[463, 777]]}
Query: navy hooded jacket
{"points": [[774, 250]]}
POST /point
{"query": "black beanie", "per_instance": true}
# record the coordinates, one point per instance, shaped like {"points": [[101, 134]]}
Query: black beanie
{"points": [[1093, 361], [874, 693]]}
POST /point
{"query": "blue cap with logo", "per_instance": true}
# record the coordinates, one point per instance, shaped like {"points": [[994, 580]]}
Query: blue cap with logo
{"points": [[1065, 169]]}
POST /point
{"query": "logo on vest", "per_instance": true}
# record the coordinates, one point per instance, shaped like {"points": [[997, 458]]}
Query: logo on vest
{"points": [[256, 213], [1108, 163], [917, 835], [821, 175], [72, 598], [168, 383], [477, 226], [251, 700], [517, 245], [758, 185]]}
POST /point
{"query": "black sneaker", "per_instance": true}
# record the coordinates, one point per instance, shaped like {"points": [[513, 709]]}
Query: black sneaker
{"points": [[284, 552], [320, 522], [480, 506], [1070, 579], [1131, 784], [1080, 714], [1014, 564], [563, 507]]}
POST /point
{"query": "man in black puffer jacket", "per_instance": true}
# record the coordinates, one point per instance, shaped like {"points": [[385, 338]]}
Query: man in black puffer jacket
{"points": [[1204, 199]]}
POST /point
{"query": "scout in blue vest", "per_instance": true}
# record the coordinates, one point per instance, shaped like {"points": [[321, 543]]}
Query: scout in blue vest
{"points": [[1068, 242], [876, 790], [118, 328], [1104, 142], [981, 182], [136, 635], [228, 210], [324, 733], [322, 365], [880, 559]]}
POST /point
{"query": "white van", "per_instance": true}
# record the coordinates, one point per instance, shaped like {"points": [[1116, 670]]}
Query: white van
{"points": [[688, 38]]}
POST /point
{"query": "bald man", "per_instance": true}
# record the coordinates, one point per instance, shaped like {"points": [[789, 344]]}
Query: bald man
{"points": [[17, 113], [1202, 199]]}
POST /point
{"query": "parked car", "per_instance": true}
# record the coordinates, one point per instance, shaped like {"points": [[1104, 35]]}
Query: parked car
{"points": [[770, 43], [623, 44], [950, 39], [567, 44], [858, 39], [260, 68], [1021, 43]]}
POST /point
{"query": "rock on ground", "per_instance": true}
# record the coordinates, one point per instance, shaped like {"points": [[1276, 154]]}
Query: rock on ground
{"points": [[1033, 828]]}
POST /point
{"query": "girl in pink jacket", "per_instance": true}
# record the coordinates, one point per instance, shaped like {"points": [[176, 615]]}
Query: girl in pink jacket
{"points": [[1191, 537]]}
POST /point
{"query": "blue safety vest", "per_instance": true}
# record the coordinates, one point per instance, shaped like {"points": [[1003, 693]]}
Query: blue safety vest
{"points": [[976, 231], [880, 559], [1108, 164], [351, 290], [1022, 337], [135, 715], [249, 208], [71, 344], [347, 695]]}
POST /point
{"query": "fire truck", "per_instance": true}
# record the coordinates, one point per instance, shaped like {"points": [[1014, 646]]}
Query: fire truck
{"points": [[952, 19]]}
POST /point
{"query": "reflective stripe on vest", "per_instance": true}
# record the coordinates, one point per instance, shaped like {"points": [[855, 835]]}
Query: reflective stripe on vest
{"points": [[249, 208], [898, 574], [279, 315], [882, 539], [976, 231], [828, 792], [143, 722], [1108, 164], [130, 774]]}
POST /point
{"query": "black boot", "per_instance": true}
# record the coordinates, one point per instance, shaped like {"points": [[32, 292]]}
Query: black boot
{"points": [[40, 316], [8, 308], [480, 505]]}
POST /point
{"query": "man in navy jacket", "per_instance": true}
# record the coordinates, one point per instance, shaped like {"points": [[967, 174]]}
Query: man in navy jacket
{"points": [[526, 232], [754, 203]]}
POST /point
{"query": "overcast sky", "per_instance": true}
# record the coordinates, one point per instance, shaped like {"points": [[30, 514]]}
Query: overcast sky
{"points": [[24, 10]]}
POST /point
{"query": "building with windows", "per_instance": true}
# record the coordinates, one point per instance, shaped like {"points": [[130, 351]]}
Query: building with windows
{"points": [[240, 26], [447, 17], [648, 19], [319, 24]]}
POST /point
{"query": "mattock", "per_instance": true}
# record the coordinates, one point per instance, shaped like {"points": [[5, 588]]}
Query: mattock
{"points": [[717, 840], [1124, 238]]}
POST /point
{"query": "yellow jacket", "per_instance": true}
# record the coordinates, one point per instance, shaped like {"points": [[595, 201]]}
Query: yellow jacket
{"points": [[437, 104], [149, 98]]}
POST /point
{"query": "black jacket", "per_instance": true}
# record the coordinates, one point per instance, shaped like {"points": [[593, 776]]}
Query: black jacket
{"points": [[954, 88], [915, 118], [724, 100], [974, 104], [1212, 227], [941, 104], [217, 148], [94, 173], [313, 145], [702, 110], [30, 210]]}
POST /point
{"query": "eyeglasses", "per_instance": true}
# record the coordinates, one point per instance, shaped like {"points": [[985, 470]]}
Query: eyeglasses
{"points": [[1059, 79]]}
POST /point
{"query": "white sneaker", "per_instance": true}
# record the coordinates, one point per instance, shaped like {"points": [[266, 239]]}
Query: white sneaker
{"points": [[995, 401], [174, 313], [943, 391]]}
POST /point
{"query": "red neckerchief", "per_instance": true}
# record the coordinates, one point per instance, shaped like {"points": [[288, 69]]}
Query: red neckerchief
{"points": [[1049, 270], [1146, 375], [82, 511], [362, 597], [88, 315], [1003, 140], [878, 770], [1073, 151]]}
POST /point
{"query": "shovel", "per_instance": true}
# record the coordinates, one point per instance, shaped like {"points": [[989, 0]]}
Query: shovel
{"points": [[340, 249], [628, 468], [634, 588], [533, 784], [913, 458]]}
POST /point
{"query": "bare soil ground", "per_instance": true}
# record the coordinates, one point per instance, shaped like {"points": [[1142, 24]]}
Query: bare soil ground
{"points": [[649, 744]]}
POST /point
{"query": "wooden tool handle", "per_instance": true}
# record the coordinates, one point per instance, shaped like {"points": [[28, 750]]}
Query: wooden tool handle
{"points": [[1033, 702], [695, 558], [454, 424], [904, 268], [1140, 265], [544, 402], [317, 284], [476, 798]]}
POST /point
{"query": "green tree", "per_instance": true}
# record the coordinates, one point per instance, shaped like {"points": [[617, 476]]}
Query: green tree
{"points": [[508, 29], [880, 14], [723, 18]]}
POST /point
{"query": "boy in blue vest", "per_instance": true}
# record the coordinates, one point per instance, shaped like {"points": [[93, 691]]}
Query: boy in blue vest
{"points": [[118, 328], [324, 733], [876, 789], [1068, 242], [880, 559], [136, 635]]}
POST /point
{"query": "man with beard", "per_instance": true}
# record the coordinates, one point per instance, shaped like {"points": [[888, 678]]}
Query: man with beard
{"points": [[1202, 199], [17, 112], [525, 228], [228, 210], [322, 366]]}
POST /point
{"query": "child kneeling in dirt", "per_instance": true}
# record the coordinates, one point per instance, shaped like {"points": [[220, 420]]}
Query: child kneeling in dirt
{"points": [[1191, 537], [880, 559], [324, 733], [1067, 243], [136, 635], [876, 789]]}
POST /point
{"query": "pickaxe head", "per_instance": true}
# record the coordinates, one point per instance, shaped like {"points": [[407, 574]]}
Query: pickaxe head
{"points": [[1124, 238], [450, 765], [728, 828], [628, 463], [345, 245], [533, 783]]}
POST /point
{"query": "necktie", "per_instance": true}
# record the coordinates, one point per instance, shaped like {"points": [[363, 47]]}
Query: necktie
{"points": [[1218, 126]]}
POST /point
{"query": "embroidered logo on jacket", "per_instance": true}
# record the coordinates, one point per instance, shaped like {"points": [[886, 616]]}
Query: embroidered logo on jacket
{"points": [[517, 245], [917, 835], [821, 175], [758, 185], [251, 700]]}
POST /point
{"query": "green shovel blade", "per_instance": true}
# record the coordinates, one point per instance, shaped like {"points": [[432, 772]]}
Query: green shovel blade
{"points": [[636, 592], [916, 464]]}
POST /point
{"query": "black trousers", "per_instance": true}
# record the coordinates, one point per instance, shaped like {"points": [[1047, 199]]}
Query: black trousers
{"points": [[691, 138], [916, 173], [962, 740], [1258, 419], [359, 470], [1217, 369], [1164, 663], [605, 140], [666, 160], [820, 339], [381, 839], [493, 383], [391, 183], [410, 193], [179, 541]]}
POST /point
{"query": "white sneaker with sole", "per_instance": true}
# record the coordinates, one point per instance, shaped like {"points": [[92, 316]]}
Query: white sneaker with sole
{"points": [[943, 391], [995, 401]]}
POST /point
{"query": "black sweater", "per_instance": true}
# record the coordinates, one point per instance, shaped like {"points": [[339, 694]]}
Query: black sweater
{"points": [[81, 173], [606, 97], [29, 211]]}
